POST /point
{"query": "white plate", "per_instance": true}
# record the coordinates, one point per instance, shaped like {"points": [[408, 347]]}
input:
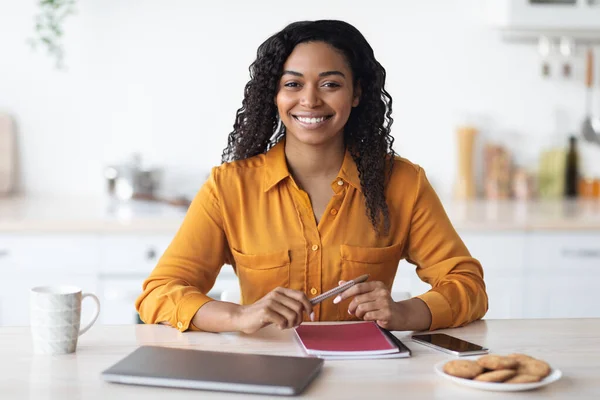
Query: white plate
{"points": [[555, 375]]}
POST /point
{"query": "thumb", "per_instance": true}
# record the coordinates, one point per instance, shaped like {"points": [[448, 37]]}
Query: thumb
{"points": [[340, 283]]}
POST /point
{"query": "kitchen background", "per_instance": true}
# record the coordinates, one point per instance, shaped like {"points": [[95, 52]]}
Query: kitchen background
{"points": [[163, 81], [166, 80]]}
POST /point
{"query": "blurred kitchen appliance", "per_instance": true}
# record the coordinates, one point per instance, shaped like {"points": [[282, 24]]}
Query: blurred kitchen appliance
{"points": [[7, 154], [525, 19], [132, 180]]}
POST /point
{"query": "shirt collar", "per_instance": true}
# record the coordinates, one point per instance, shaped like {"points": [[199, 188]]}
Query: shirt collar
{"points": [[276, 168], [349, 172]]}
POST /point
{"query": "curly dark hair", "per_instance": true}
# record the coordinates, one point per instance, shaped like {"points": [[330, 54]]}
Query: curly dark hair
{"points": [[367, 136]]}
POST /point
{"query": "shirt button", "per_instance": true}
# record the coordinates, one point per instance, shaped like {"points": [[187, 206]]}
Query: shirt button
{"points": [[315, 247], [179, 325], [333, 211], [340, 183], [313, 291]]}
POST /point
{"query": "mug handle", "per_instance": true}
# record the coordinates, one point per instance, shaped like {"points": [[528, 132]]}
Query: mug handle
{"points": [[95, 317]]}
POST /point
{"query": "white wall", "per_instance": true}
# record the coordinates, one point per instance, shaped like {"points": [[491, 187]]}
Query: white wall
{"points": [[165, 78]]}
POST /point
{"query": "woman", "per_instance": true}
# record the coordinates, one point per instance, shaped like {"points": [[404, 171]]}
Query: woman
{"points": [[311, 194]]}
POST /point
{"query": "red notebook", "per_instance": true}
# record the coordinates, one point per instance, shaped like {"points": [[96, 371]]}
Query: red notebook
{"points": [[354, 340]]}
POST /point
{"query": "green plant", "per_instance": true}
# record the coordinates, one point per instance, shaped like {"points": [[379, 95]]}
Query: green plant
{"points": [[49, 27]]}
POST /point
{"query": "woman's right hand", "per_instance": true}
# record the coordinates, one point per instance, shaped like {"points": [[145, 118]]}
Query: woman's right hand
{"points": [[282, 307]]}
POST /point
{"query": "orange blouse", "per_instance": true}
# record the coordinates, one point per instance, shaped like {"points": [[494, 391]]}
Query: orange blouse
{"points": [[252, 215]]}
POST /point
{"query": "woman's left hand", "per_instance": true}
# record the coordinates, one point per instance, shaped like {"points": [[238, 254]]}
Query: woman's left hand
{"points": [[373, 302]]}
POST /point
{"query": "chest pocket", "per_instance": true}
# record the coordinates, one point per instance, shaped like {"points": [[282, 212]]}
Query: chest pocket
{"points": [[381, 263], [261, 273]]}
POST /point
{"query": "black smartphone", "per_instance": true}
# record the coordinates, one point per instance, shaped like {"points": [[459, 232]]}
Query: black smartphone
{"points": [[450, 344]]}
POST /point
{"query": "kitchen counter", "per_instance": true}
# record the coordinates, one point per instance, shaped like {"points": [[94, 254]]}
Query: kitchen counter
{"points": [[546, 215], [87, 215], [102, 215], [571, 345]]}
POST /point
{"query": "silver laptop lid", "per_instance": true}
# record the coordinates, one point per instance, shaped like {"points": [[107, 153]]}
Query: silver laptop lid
{"points": [[210, 370]]}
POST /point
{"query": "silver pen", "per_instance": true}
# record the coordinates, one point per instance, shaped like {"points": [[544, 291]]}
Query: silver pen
{"points": [[337, 290]]}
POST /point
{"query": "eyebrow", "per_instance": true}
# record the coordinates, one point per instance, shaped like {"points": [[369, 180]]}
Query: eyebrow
{"points": [[322, 74]]}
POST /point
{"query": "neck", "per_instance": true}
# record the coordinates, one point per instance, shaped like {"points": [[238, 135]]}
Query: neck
{"points": [[314, 161]]}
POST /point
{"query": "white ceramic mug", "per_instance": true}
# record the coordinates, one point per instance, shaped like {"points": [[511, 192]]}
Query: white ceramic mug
{"points": [[55, 315]]}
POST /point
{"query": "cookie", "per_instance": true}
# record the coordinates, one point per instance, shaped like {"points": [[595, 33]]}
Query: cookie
{"points": [[463, 368], [520, 357], [534, 367], [523, 378], [500, 375], [495, 362]]}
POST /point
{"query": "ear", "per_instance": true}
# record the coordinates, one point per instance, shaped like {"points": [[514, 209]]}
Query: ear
{"points": [[357, 94]]}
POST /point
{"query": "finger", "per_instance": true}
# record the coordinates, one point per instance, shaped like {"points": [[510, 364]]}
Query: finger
{"points": [[293, 304], [380, 295], [357, 289], [386, 324], [378, 315], [298, 296], [374, 295], [340, 283], [269, 316], [288, 314], [361, 299], [364, 308]]}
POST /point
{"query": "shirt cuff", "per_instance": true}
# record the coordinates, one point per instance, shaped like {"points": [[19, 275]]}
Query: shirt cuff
{"points": [[186, 309], [441, 312]]}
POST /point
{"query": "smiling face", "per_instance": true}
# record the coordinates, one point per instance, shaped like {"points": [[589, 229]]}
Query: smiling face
{"points": [[316, 94]]}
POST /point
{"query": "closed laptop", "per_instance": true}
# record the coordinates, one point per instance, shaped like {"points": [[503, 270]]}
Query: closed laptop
{"points": [[210, 370]]}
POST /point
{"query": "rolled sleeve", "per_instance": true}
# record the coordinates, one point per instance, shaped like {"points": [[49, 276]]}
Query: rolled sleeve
{"points": [[441, 312], [457, 294], [186, 309], [186, 272]]}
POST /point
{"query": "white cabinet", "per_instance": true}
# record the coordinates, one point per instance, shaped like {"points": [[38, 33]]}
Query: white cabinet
{"points": [[408, 281], [129, 253], [113, 266], [30, 253], [502, 256], [562, 275], [547, 16], [117, 294], [127, 260], [35, 260]]}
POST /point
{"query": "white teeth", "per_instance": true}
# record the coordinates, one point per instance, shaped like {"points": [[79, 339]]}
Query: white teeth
{"points": [[311, 120]]}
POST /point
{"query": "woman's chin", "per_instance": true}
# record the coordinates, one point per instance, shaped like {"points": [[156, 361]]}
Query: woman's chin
{"points": [[313, 137]]}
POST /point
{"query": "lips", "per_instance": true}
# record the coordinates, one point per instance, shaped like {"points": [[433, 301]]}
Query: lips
{"points": [[311, 122]]}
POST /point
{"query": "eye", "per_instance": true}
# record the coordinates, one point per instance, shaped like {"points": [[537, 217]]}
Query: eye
{"points": [[331, 84], [292, 84]]}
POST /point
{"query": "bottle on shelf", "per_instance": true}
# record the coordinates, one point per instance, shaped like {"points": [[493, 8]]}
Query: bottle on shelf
{"points": [[572, 169], [464, 188]]}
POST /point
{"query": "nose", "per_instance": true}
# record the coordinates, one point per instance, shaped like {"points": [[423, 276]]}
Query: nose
{"points": [[310, 97]]}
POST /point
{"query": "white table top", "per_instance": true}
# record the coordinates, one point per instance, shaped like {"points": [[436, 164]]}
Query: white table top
{"points": [[572, 345]]}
